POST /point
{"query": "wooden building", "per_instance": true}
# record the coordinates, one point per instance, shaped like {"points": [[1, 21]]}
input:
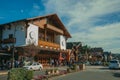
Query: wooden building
{"points": [[47, 33]]}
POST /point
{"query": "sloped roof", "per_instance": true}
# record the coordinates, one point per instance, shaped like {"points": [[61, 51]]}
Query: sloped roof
{"points": [[56, 19], [51, 17], [70, 45]]}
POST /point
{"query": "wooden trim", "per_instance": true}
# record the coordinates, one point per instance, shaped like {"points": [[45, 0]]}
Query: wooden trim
{"points": [[40, 23], [9, 40], [45, 34], [48, 44], [51, 27]]}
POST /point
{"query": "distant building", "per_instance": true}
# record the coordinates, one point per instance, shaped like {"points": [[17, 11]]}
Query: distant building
{"points": [[96, 54]]}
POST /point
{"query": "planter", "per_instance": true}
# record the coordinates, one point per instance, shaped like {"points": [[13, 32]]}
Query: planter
{"points": [[82, 66], [57, 71], [48, 72]]}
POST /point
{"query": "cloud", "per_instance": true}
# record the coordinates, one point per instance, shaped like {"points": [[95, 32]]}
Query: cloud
{"points": [[81, 11], [106, 36], [82, 16], [36, 10]]}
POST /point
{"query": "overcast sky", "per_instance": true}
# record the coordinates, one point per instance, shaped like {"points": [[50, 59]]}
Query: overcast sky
{"points": [[92, 22]]}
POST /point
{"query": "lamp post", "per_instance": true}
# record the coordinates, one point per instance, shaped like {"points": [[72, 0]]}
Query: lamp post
{"points": [[13, 57], [13, 52]]}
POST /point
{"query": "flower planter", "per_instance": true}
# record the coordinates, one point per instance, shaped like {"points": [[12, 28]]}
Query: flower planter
{"points": [[82, 66]]}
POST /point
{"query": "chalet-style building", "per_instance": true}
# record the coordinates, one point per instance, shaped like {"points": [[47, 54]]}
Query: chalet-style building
{"points": [[96, 54], [46, 32]]}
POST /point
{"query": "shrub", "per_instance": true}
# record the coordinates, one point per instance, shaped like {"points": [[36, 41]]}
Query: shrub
{"points": [[74, 67], [20, 74], [68, 70], [29, 75], [105, 63]]}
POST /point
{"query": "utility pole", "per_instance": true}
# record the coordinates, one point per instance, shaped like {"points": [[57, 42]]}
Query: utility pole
{"points": [[13, 52]]}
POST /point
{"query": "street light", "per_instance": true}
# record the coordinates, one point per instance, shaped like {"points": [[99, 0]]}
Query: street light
{"points": [[13, 52]]}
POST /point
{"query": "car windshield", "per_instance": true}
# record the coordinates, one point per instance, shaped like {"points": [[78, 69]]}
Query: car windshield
{"points": [[113, 61], [28, 64]]}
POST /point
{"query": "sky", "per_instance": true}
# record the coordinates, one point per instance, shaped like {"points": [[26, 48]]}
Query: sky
{"points": [[92, 22]]}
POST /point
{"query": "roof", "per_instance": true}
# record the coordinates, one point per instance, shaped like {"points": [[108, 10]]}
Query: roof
{"points": [[99, 49], [50, 16], [70, 45]]}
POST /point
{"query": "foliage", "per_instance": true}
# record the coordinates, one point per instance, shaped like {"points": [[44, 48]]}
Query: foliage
{"points": [[74, 67], [20, 74], [105, 63], [68, 70]]}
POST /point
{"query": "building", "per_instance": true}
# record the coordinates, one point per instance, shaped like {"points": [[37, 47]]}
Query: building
{"points": [[75, 48], [46, 32], [96, 55]]}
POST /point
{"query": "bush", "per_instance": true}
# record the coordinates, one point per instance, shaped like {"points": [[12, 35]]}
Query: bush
{"points": [[105, 63], [68, 70], [20, 74], [29, 75], [74, 67]]}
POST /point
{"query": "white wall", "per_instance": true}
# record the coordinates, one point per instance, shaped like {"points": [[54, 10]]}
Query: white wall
{"points": [[18, 31], [61, 40], [32, 34]]}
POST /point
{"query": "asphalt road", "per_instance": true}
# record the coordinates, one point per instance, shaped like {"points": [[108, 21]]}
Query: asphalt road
{"points": [[92, 73]]}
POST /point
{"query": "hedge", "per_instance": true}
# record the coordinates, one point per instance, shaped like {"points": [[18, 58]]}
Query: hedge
{"points": [[20, 74]]}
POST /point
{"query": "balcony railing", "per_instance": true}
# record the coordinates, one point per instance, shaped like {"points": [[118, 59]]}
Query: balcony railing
{"points": [[9, 40], [48, 44]]}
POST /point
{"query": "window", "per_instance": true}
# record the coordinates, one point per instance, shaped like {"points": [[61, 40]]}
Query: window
{"points": [[10, 35]]}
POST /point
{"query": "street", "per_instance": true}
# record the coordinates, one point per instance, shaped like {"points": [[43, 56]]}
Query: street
{"points": [[92, 73]]}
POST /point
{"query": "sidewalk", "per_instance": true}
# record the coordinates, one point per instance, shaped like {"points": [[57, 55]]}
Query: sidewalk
{"points": [[3, 72]]}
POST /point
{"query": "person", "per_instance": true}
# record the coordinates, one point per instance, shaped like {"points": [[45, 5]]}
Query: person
{"points": [[2, 65], [51, 62]]}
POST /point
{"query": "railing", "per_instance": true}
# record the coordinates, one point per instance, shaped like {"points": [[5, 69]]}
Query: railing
{"points": [[48, 44], [9, 40]]}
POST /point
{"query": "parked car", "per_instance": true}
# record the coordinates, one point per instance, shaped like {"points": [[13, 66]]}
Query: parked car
{"points": [[98, 63], [114, 64], [34, 66]]}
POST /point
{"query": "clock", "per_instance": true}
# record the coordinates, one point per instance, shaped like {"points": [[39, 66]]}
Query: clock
{"points": [[63, 43], [32, 35]]}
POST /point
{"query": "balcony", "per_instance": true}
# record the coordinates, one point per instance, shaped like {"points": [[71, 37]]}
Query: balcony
{"points": [[48, 44], [9, 40]]}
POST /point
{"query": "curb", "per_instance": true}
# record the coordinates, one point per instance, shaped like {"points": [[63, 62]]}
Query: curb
{"points": [[65, 75], [3, 72]]}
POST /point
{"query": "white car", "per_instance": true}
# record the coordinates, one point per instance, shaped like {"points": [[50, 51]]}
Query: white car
{"points": [[34, 66], [114, 64]]}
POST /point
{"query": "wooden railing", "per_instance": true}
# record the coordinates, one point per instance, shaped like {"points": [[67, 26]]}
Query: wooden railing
{"points": [[48, 44], [9, 40]]}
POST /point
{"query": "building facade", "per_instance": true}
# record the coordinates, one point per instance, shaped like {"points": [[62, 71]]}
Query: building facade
{"points": [[46, 32]]}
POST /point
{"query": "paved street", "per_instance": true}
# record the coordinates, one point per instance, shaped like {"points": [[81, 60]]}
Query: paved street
{"points": [[92, 73]]}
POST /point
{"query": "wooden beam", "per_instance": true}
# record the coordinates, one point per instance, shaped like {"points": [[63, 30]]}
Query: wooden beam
{"points": [[40, 23], [51, 27]]}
